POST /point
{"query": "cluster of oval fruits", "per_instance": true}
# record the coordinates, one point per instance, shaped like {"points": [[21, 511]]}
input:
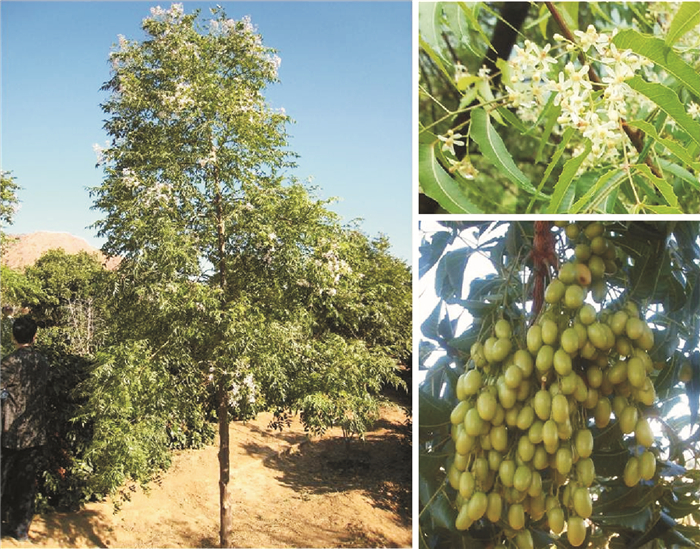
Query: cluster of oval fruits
{"points": [[523, 446]]}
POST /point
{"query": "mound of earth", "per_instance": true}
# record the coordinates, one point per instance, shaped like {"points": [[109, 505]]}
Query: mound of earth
{"points": [[287, 490], [25, 249]]}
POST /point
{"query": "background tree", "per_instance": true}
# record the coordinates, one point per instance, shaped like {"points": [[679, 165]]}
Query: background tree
{"points": [[596, 109], [483, 273], [224, 261], [8, 204]]}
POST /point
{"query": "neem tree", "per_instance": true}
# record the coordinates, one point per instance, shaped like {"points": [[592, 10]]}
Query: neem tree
{"points": [[594, 109], [560, 410], [230, 274]]}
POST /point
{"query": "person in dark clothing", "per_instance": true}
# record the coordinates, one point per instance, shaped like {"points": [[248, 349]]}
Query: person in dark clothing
{"points": [[23, 383]]}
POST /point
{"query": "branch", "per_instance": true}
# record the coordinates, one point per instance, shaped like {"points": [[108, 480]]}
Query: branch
{"points": [[636, 137]]}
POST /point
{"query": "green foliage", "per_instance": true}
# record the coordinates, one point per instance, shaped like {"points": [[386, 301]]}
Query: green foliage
{"points": [[513, 122], [9, 203], [657, 269]]}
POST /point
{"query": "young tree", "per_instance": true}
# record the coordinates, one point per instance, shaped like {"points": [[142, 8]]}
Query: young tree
{"points": [[224, 262], [537, 336]]}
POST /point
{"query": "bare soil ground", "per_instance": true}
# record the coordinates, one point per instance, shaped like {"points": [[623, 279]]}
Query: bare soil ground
{"points": [[287, 490]]}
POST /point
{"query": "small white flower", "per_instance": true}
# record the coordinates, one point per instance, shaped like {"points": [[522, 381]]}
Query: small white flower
{"points": [[450, 140]]}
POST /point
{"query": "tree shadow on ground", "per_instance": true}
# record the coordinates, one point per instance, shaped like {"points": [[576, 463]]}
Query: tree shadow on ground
{"points": [[77, 529], [379, 466]]}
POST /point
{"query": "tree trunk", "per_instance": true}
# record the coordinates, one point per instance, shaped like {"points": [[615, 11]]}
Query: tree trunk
{"points": [[224, 453], [224, 467]]}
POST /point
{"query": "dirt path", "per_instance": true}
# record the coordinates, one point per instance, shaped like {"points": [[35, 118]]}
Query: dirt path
{"points": [[286, 492]]}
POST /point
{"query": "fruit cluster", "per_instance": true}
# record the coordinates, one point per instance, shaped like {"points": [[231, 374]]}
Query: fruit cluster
{"points": [[526, 401]]}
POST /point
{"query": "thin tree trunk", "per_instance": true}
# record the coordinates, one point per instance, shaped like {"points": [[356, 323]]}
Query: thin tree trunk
{"points": [[224, 468], [224, 452]]}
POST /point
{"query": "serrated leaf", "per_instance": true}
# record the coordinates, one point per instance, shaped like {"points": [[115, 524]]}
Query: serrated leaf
{"points": [[436, 183], [662, 54], [605, 185], [667, 101], [686, 18], [661, 184], [563, 195], [492, 147], [674, 147]]}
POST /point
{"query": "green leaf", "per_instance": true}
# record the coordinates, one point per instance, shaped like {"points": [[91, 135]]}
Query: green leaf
{"points": [[680, 172], [662, 54], [474, 22], [429, 23], [668, 102], [438, 185], [661, 184], [606, 184], [492, 147], [687, 18], [566, 137], [449, 278], [434, 411], [563, 195], [673, 146]]}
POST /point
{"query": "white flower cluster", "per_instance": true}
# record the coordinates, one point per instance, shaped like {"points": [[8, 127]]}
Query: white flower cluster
{"points": [[595, 116], [210, 160], [181, 98], [243, 391]]}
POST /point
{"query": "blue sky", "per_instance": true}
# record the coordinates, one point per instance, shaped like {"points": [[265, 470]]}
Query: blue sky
{"points": [[345, 80]]}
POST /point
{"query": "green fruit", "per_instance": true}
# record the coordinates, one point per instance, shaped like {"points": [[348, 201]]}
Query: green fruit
{"points": [[585, 471], [555, 518], [467, 484], [501, 349], [516, 516], [634, 328], [549, 332], [569, 340], [560, 408], [465, 442], [629, 419], [453, 476], [583, 505], [602, 412], [576, 531], [632, 475], [597, 335], [506, 396], [525, 418], [617, 373], [599, 290], [597, 267], [472, 382], [594, 229], [473, 422], [522, 478], [480, 468], [554, 291], [647, 465], [535, 488], [594, 376], [526, 449], [523, 360], [503, 329], [564, 461], [572, 230], [506, 472], [567, 273], [550, 433], [574, 296], [494, 507], [599, 245], [534, 339], [486, 405], [584, 443], [458, 413], [542, 403], [562, 362], [618, 322], [545, 359], [463, 522], [477, 505], [513, 376], [582, 252], [523, 540], [499, 438], [643, 433], [636, 373], [587, 314]]}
